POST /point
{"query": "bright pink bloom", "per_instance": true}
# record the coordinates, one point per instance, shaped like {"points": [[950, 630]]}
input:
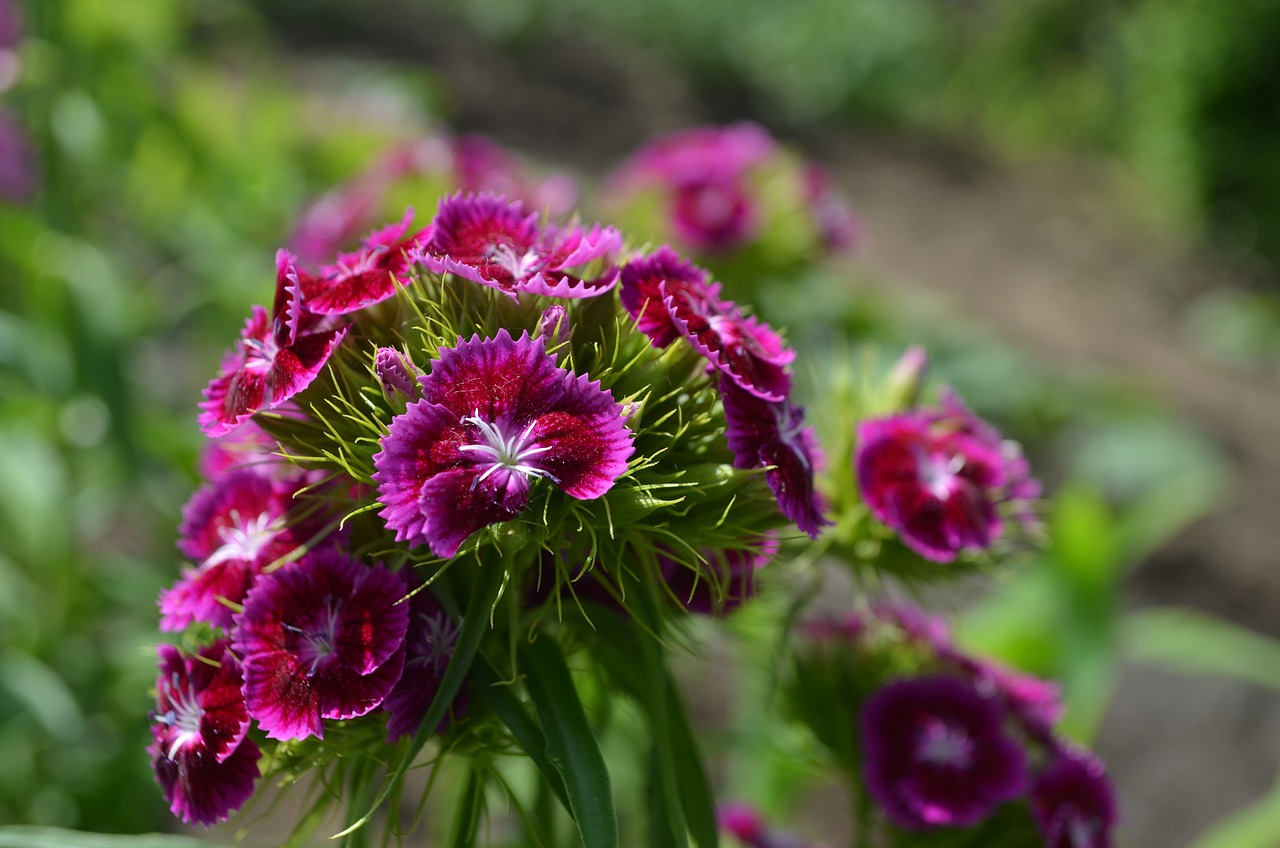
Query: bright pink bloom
{"points": [[367, 276], [936, 753], [248, 446], [429, 644], [201, 757], [1073, 802], [670, 298], [496, 414], [936, 486], [701, 155], [278, 356], [768, 434], [487, 240], [714, 216], [321, 638]]}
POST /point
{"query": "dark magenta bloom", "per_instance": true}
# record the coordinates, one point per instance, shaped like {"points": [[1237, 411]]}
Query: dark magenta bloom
{"points": [[1073, 802], [772, 435], [233, 528], [496, 414], [938, 487], [714, 215], [936, 753], [202, 760], [429, 644], [485, 239], [671, 298], [278, 356], [747, 825], [367, 276], [723, 582], [320, 638]]}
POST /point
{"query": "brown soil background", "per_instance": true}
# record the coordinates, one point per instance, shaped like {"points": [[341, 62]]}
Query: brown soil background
{"points": [[1038, 255]]}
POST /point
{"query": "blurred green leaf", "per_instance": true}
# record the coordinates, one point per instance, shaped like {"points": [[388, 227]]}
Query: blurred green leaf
{"points": [[1255, 826], [21, 836], [1191, 642]]}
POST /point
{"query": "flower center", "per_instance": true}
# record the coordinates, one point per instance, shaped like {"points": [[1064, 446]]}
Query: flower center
{"points": [[183, 715], [519, 265], [503, 452], [713, 207], [260, 354], [943, 745], [937, 471], [1081, 829], [244, 539], [319, 642], [435, 639]]}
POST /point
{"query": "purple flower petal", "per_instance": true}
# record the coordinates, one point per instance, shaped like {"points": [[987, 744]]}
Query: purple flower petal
{"points": [[393, 370], [322, 638], [496, 414], [368, 275], [662, 284], [763, 433], [1073, 802]]}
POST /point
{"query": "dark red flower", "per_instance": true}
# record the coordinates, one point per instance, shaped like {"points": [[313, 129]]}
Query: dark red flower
{"points": [[1073, 802], [367, 276]]}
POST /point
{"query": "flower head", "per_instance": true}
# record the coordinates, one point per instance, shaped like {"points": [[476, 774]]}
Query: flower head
{"points": [[201, 757], [1073, 802], [773, 435], [936, 753], [937, 486], [277, 357], [496, 415], [366, 276], [429, 644], [485, 239], [321, 638]]}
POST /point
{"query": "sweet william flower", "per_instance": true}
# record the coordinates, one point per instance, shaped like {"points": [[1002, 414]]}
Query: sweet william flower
{"points": [[202, 760], [366, 276], [488, 240], [1073, 802], [496, 415], [429, 643], [936, 753], [321, 638], [938, 487], [278, 355]]}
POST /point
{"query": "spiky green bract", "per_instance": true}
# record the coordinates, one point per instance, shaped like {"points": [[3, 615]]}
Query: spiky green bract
{"points": [[680, 492]]}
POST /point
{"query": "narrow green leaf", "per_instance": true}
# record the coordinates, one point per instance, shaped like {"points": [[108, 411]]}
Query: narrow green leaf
{"points": [[571, 743], [695, 791], [493, 691], [475, 624], [1194, 643], [26, 836], [466, 821]]}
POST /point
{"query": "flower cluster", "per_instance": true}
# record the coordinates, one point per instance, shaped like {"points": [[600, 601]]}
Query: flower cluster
{"points": [[954, 739], [550, 368], [711, 184]]}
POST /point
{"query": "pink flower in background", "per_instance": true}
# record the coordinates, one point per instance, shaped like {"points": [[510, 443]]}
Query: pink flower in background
{"points": [[488, 240], [278, 356], [1073, 802], [367, 276], [838, 227], [202, 760], [248, 446], [772, 434], [936, 486], [713, 216], [321, 638], [936, 753], [496, 415]]}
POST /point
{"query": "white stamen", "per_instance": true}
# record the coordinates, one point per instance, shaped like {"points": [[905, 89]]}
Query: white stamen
{"points": [[509, 454]]}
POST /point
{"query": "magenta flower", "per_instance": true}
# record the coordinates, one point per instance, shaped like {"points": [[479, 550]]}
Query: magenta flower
{"points": [[202, 760], [936, 753], [772, 435], [429, 644], [936, 486], [714, 215], [367, 276], [321, 638], [1073, 802], [277, 356], [496, 414], [487, 240], [702, 155], [670, 298], [731, 582], [233, 528], [248, 446]]}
